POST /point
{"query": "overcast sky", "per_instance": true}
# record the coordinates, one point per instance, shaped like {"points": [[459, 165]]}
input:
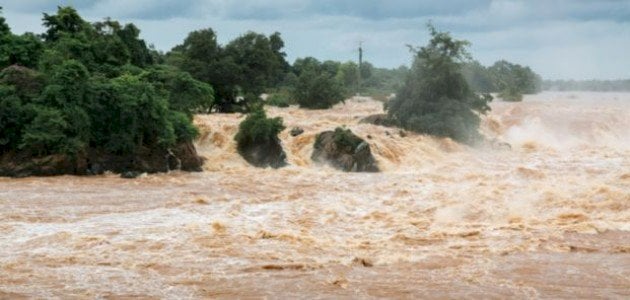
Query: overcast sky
{"points": [[559, 39]]}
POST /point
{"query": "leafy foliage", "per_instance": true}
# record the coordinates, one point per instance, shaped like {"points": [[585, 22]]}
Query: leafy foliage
{"points": [[280, 99], [317, 87], [344, 138], [95, 88], [436, 98], [257, 129], [185, 94], [510, 80], [245, 66]]}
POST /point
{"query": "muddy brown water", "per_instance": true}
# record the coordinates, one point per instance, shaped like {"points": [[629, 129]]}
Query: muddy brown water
{"points": [[548, 219]]}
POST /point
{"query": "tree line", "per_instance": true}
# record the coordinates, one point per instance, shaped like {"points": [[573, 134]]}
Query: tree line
{"points": [[510, 81], [587, 85]]}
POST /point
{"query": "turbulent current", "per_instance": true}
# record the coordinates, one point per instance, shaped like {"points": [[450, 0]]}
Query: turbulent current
{"points": [[549, 218]]}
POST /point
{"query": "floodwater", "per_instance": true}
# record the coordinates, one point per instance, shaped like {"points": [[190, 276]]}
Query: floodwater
{"points": [[548, 219]]}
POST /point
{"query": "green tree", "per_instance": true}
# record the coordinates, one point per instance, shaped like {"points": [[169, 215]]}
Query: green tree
{"points": [[436, 98], [4, 27], [246, 66], [66, 22], [257, 129], [479, 77], [12, 118], [46, 134], [513, 80], [185, 94], [317, 89]]}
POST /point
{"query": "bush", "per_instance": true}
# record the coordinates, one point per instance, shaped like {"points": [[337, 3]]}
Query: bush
{"points": [[257, 129], [184, 128], [345, 138], [279, 99], [436, 98], [185, 94], [511, 94], [316, 89], [46, 134]]}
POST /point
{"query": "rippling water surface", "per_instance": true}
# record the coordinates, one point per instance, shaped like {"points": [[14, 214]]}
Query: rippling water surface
{"points": [[549, 218]]}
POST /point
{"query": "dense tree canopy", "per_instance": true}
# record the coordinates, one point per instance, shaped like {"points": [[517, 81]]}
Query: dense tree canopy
{"points": [[436, 98], [245, 67], [84, 87], [317, 86], [510, 80]]}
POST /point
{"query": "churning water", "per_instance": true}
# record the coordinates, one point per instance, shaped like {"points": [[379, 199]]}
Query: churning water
{"points": [[548, 218]]}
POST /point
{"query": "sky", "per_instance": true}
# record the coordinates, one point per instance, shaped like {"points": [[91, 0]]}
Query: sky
{"points": [[559, 39]]}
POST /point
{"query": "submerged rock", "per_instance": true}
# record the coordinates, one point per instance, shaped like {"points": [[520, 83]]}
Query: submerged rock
{"points": [[344, 150], [499, 145], [130, 174], [262, 155], [378, 119], [296, 131]]}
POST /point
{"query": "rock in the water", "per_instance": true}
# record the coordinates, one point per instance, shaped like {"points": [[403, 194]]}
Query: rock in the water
{"points": [[344, 150], [262, 155], [296, 131], [130, 174], [378, 119], [499, 145]]}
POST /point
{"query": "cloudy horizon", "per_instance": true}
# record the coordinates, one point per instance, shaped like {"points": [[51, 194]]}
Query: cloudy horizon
{"points": [[559, 39]]}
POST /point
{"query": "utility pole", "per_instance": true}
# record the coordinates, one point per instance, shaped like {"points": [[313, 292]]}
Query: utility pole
{"points": [[360, 65]]}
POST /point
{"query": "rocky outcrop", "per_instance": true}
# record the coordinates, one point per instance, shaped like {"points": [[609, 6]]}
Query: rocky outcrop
{"points": [[145, 160], [296, 131], [263, 155], [344, 150]]}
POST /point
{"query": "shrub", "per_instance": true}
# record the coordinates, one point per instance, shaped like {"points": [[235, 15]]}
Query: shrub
{"points": [[344, 138], [279, 99], [184, 93], [257, 129], [184, 128]]}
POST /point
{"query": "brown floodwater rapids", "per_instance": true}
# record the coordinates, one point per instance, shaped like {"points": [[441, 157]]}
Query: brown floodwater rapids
{"points": [[549, 218]]}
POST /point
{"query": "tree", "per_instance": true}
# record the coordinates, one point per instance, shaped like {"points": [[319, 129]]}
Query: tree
{"points": [[12, 118], [4, 27], [46, 134], [257, 139], [317, 87], [184, 93], [479, 77], [66, 22], [435, 98], [514, 80], [240, 71]]}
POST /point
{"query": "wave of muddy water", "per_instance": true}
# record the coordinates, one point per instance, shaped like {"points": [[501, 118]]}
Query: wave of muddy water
{"points": [[550, 218]]}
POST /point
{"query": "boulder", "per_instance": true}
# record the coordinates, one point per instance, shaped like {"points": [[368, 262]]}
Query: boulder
{"points": [[130, 174], [296, 131], [344, 150], [23, 165], [262, 155], [378, 119]]}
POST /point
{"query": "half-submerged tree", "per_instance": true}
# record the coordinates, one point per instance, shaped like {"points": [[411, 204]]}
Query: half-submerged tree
{"points": [[257, 140], [436, 98]]}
